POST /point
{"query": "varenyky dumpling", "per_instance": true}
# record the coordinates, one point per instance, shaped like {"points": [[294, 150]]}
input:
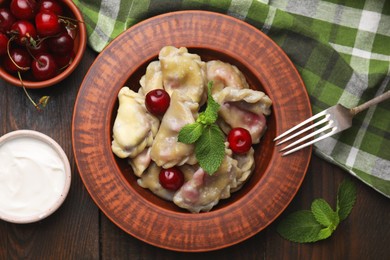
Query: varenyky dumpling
{"points": [[167, 151], [224, 74], [183, 72], [141, 161], [150, 180], [246, 164], [152, 78], [243, 108], [203, 192], [134, 127]]}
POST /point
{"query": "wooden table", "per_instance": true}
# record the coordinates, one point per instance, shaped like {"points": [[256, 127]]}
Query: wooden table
{"points": [[78, 230]]}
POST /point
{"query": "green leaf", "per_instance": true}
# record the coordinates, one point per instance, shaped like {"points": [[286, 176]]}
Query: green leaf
{"points": [[301, 227], [325, 233], [346, 198], [324, 214], [319, 223], [190, 133], [210, 148], [210, 115]]}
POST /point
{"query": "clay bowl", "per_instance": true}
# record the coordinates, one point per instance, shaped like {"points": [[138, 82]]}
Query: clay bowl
{"points": [[80, 43], [112, 184]]}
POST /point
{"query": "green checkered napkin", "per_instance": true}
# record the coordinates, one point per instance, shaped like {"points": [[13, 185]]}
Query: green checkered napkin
{"points": [[342, 52]]}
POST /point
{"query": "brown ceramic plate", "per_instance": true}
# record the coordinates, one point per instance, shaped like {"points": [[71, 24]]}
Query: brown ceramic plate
{"points": [[111, 182]]}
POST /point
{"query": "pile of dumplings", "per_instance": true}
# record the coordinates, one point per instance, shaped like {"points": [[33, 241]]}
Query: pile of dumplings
{"points": [[150, 143]]}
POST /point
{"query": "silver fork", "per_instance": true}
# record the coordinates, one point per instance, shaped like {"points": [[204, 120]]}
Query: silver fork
{"points": [[333, 120]]}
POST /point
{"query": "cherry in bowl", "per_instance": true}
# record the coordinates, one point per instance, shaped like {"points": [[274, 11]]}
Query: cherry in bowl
{"points": [[23, 9], [79, 37], [3, 43], [44, 66], [6, 19]]}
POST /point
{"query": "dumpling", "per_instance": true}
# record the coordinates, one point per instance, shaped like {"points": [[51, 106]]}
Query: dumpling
{"points": [[224, 74], [134, 127], [246, 164], [140, 162], [152, 78], [183, 72], [150, 180], [166, 150], [243, 108], [203, 192]]}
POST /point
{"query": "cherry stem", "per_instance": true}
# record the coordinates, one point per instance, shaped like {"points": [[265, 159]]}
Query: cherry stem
{"points": [[9, 55], [64, 18], [67, 65], [28, 96], [70, 23], [39, 62]]}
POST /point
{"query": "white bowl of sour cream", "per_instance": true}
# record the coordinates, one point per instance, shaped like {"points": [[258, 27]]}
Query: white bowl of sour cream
{"points": [[35, 176]]}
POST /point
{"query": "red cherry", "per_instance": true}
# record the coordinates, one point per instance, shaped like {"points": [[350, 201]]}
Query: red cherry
{"points": [[19, 56], [50, 5], [64, 60], [157, 101], [23, 9], [240, 140], [62, 44], [47, 24], [44, 67], [25, 32], [3, 43], [171, 179], [6, 19], [4, 2], [40, 47]]}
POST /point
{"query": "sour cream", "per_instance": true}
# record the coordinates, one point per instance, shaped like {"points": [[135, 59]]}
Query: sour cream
{"points": [[34, 176]]}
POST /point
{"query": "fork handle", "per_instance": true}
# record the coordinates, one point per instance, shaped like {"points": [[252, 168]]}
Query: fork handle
{"points": [[371, 102]]}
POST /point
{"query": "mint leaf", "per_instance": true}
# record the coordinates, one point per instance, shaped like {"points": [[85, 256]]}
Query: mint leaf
{"points": [[301, 227], [325, 233], [210, 148], [346, 198], [190, 133], [324, 214], [210, 115]]}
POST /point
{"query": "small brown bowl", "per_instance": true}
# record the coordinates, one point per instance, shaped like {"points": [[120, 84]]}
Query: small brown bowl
{"points": [[80, 43], [111, 182]]}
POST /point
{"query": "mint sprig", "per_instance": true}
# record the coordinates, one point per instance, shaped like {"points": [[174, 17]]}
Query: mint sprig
{"points": [[206, 135], [321, 221]]}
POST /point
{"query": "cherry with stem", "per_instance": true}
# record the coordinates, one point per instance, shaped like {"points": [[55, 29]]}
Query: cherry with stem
{"points": [[44, 99]]}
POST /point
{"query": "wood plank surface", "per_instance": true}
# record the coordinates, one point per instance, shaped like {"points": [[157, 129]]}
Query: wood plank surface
{"points": [[78, 230]]}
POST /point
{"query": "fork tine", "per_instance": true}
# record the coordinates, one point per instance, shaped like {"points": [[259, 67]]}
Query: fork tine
{"points": [[310, 119], [304, 130], [309, 143], [326, 127]]}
